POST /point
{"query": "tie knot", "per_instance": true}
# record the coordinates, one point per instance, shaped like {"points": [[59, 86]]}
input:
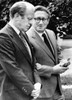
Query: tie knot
{"points": [[23, 35], [43, 35]]}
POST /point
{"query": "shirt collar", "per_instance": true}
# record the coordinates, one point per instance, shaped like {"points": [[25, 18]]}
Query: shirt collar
{"points": [[40, 34], [16, 30]]}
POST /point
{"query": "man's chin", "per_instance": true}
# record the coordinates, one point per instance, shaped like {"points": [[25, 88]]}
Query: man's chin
{"points": [[40, 30]]}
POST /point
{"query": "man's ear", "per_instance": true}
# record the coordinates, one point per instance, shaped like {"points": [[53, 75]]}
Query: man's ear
{"points": [[48, 21], [16, 15]]}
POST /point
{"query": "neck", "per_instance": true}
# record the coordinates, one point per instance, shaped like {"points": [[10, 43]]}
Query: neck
{"points": [[40, 32]]}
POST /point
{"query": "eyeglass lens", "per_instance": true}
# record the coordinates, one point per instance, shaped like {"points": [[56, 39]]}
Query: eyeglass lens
{"points": [[39, 19]]}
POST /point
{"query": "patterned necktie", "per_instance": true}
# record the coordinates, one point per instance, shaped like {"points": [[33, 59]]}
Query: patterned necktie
{"points": [[23, 38], [48, 43]]}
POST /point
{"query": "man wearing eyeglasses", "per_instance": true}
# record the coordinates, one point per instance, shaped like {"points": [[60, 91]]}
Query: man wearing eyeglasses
{"points": [[45, 48]]}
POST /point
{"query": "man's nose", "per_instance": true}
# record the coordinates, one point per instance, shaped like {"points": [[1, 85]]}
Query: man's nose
{"points": [[41, 22], [31, 22], [30, 25]]}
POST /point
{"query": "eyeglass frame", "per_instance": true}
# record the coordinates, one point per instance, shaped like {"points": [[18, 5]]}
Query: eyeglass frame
{"points": [[38, 19]]}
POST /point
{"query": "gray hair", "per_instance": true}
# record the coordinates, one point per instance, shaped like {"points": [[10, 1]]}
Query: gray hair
{"points": [[42, 8], [20, 8]]}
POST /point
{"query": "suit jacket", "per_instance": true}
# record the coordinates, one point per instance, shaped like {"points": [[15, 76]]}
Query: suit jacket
{"points": [[45, 57], [17, 74]]}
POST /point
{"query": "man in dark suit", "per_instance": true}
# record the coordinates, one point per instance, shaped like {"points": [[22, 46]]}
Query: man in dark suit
{"points": [[18, 77], [45, 48]]}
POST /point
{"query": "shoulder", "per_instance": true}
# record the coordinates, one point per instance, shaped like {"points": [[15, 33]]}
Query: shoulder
{"points": [[4, 33], [5, 29], [30, 32], [50, 32]]}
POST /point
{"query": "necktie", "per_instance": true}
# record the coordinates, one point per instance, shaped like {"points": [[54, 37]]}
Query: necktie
{"points": [[23, 38], [48, 43]]}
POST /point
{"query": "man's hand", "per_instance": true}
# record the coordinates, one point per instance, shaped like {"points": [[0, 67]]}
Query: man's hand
{"points": [[37, 86], [65, 62], [36, 92], [62, 66], [58, 69], [38, 66]]}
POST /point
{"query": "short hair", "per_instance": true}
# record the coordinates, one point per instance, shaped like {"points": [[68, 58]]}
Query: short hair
{"points": [[20, 8], [42, 8]]}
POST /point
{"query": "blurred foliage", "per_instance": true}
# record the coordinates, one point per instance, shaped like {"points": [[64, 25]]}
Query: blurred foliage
{"points": [[4, 8], [61, 12], [61, 15]]}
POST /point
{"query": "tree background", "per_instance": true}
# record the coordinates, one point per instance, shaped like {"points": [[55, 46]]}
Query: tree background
{"points": [[61, 12]]}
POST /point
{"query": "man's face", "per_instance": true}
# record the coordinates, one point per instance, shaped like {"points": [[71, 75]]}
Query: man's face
{"points": [[26, 21], [40, 21]]}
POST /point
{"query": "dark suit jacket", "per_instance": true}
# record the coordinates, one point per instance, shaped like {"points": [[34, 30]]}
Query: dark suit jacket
{"points": [[17, 74], [45, 57]]}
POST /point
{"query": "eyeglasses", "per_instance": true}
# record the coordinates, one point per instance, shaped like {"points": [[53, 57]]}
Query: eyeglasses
{"points": [[38, 19]]}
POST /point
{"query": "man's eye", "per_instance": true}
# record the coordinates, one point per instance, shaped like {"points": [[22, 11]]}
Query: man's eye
{"points": [[38, 18], [43, 19], [29, 18]]}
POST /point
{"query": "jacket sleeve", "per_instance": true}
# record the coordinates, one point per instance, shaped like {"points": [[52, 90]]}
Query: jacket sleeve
{"points": [[36, 74], [37, 77], [44, 70], [11, 67]]}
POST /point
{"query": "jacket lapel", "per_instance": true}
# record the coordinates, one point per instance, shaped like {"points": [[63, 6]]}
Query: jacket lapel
{"points": [[53, 42], [31, 48], [39, 41], [15, 38]]}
